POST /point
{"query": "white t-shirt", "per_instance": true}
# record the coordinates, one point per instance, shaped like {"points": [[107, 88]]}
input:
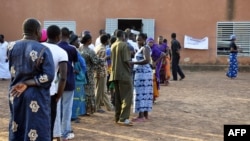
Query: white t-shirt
{"points": [[91, 46], [4, 66], [59, 55], [134, 44], [98, 41]]}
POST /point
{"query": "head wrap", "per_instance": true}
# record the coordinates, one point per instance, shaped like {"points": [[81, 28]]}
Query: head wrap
{"points": [[232, 37], [150, 40], [85, 32], [43, 35], [73, 38]]}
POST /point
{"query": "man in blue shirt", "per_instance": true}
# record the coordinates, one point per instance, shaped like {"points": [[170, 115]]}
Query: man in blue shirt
{"points": [[68, 94]]}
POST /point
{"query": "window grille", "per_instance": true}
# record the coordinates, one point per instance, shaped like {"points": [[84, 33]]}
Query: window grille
{"points": [[71, 25], [242, 32]]}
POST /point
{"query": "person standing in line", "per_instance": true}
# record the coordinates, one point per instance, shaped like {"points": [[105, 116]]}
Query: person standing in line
{"points": [[162, 47], [110, 84], [91, 46], [98, 39], [92, 62], [44, 36], [108, 61], [167, 63], [131, 48], [156, 56], [176, 47], [32, 71], [68, 94], [4, 64], [143, 80], [60, 59], [122, 77], [233, 63], [79, 104], [101, 76], [131, 40]]}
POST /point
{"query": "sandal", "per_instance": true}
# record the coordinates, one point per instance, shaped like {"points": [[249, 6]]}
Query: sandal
{"points": [[137, 119], [127, 122], [166, 83]]}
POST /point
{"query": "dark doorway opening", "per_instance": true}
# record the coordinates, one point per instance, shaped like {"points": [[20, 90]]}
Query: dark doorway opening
{"points": [[135, 24]]}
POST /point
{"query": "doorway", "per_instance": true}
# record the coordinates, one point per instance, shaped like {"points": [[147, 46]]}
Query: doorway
{"points": [[142, 25], [135, 24]]}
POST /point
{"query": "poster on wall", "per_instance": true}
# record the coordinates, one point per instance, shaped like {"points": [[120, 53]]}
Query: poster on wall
{"points": [[194, 43]]}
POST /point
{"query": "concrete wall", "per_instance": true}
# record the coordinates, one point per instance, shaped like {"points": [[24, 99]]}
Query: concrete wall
{"points": [[196, 18]]}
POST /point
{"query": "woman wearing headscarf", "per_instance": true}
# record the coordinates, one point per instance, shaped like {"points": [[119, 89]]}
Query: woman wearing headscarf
{"points": [[157, 57], [79, 104], [233, 63]]}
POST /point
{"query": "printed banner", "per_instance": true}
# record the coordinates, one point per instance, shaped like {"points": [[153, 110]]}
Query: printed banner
{"points": [[192, 43]]}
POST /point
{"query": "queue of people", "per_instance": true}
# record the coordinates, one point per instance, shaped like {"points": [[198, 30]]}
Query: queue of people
{"points": [[61, 78]]}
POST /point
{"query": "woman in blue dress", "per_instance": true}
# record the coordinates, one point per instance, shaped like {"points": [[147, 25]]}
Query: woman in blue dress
{"points": [[143, 80], [79, 104], [233, 62]]}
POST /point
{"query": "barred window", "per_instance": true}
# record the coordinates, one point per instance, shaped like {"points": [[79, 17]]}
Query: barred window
{"points": [[242, 32], [71, 25]]}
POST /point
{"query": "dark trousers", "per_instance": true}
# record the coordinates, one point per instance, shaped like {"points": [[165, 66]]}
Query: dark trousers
{"points": [[108, 83], [53, 106], [123, 99], [176, 68]]}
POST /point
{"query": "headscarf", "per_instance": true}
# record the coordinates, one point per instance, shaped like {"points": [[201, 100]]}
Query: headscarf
{"points": [[43, 35], [232, 37], [149, 40], [73, 38]]}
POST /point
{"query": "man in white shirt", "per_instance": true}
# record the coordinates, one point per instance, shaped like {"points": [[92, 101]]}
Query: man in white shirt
{"points": [[60, 58], [4, 64], [131, 41], [98, 41]]}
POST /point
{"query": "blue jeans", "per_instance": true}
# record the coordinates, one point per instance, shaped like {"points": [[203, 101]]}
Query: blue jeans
{"points": [[57, 126], [67, 103]]}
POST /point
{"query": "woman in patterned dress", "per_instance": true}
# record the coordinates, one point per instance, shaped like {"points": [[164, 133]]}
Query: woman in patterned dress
{"points": [[92, 62], [143, 80], [79, 104], [156, 55], [233, 63]]}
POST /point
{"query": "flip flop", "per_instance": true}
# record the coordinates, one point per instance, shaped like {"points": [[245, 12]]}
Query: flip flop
{"points": [[138, 119]]}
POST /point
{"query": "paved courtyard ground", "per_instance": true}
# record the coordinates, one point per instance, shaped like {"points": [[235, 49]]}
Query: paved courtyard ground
{"points": [[194, 109]]}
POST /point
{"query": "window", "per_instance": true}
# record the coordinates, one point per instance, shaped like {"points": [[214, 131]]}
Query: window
{"points": [[71, 25], [242, 32]]}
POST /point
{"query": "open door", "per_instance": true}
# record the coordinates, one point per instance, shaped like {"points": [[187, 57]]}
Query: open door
{"points": [[148, 26]]}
